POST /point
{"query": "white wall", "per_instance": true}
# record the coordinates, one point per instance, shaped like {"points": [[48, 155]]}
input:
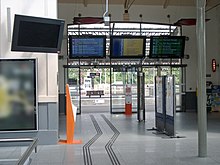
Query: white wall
{"points": [[212, 50], [150, 13], [218, 36], [158, 14], [192, 62], [212, 41], [47, 63]]}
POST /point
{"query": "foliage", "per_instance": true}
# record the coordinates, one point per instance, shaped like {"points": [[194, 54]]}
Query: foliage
{"points": [[124, 77]]}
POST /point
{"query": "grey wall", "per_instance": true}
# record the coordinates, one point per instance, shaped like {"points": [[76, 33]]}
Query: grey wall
{"points": [[191, 101], [62, 103], [47, 122]]}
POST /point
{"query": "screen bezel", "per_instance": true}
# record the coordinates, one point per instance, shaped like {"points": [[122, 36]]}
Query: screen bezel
{"points": [[70, 51], [128, 37], [151, 55], [36, 128], [19, 18]]}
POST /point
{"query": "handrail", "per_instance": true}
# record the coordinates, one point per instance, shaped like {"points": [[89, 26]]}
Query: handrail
{"points": [[16, 140], [28, 151]]}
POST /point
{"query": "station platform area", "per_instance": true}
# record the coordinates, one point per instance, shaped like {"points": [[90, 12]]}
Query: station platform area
{"points": [[116, 139], [122, 140]]}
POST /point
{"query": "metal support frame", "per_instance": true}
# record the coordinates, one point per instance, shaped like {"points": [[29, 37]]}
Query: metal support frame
{"points": [[165, 4], [85, 3], [28, 151], [114, 29], [106, 8]]}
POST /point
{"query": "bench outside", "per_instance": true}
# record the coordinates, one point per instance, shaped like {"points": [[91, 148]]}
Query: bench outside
{"points": [[95, 93]]}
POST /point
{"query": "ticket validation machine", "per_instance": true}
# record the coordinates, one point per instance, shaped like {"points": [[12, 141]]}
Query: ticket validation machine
{"points": [[140, 97], [128, 100]]}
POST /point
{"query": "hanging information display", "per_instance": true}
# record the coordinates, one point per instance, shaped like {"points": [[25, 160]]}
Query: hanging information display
{"points": [[87, 46], [167, 46], [127, 46]]}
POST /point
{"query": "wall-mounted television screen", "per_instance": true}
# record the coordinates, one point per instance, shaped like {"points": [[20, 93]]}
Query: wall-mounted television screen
{"points": [[127, 46], [87, 46], [18, 104], [167, 46], [36, 34]]}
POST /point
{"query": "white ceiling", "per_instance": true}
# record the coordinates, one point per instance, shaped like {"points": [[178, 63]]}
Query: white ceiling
{"points": [[164, 3]]}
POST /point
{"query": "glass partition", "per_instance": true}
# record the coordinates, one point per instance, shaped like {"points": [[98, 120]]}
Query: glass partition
{"points": [[120, 77], [176, 71]]}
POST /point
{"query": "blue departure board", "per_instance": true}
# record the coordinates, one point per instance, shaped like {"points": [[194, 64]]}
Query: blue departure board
{"points": [[87, 46]]}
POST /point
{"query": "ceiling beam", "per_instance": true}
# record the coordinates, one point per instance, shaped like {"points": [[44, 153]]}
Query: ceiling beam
{"points": [[126, 2], [130, 3], [85, 3], [165, 4], [207, 2]]}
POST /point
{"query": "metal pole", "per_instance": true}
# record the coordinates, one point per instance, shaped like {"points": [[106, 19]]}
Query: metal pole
{"points": [[106, 8], [202, 114]]}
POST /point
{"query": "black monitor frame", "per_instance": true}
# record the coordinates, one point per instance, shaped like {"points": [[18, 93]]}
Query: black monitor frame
{"points": [[34, 90], [83, 56], [30, 19], [128, 37], [169, 56]]}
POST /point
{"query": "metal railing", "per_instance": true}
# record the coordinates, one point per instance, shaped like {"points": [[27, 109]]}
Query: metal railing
{"points": [[28, 151]]}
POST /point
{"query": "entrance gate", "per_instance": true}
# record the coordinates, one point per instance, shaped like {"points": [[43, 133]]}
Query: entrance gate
{"points": [[109, 83], [120, 77]]}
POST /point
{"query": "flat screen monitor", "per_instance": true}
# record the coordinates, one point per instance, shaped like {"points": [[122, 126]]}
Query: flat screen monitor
{"points": [[36, 34], [167, 46], [86, 46], [18, 104], [127, 46]]}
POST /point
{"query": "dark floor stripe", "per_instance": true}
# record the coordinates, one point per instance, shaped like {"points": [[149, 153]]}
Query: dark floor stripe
{"points": [[86, 151], [110, 143]]}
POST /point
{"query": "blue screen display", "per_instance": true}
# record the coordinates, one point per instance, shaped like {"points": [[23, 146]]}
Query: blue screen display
{"points": [[117, 47], [87, 47]]}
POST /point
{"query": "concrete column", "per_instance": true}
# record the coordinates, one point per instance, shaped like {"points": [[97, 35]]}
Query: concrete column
{"points": [[202, 113]]}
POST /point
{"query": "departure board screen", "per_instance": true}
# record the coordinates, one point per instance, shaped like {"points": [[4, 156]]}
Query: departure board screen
{"points": [[87, 46], [167, 46], [127, 46]]}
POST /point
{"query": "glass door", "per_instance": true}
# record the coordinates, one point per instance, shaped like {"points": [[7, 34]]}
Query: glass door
{"points": [[120, 77], [179, 86], [150, 74], [90, 89], [95, 89]]}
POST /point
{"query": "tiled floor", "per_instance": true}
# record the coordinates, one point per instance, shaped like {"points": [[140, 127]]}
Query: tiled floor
{"points": [[134, 145]]}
